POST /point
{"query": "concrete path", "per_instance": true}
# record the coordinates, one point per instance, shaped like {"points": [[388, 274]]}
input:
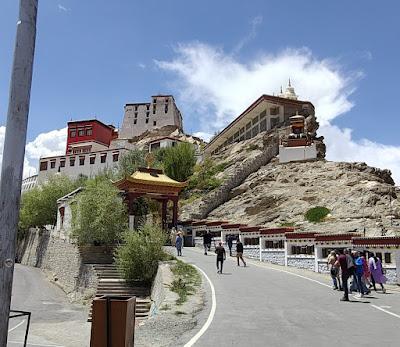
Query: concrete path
{"points": [[266, 305], [54, 322]]}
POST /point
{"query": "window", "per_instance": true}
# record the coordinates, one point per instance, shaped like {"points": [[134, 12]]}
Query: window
{"points": [[92, 160], [89, 132], [115, 156], [136, 106], [147, 114], [273, 111], [388, 258], [255, 120], [72, 133], [72, 162], [103, 158], [62, 163], [81, 132], [251, 241], [309, 250], [166, 109], [81, 161], [274, 244], [52, 164], [135, 115], [263, 114], [43, 166], [248, 135], [274, 122], [379, 255], [147, 107], [147, 121], [248, 126], [254, 131], [154, 100], [154, 109], [154, 123], [166, 100], [154, 146], [135, 121]]}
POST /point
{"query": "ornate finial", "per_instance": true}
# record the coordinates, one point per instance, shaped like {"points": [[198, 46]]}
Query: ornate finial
{"points": [[150, 160], [289, 83]]}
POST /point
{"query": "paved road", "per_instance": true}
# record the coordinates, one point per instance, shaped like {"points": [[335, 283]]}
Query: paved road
{"points": [[54, 322], [261, 305]]}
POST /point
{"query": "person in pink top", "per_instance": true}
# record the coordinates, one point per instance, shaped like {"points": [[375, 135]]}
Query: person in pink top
{"points": [[377, 276]]}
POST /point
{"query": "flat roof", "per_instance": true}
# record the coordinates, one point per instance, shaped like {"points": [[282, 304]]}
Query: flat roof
{"points": [[91, 120]]}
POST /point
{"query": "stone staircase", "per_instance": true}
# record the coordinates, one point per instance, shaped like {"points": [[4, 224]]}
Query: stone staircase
{"points": [[200, 209], [110, 282]]}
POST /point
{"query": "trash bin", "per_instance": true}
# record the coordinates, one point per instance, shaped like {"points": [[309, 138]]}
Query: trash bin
{"points": [[113, 321]]}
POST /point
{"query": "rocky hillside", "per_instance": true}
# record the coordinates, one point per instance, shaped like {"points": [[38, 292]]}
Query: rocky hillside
{"points": [[357, 195]]}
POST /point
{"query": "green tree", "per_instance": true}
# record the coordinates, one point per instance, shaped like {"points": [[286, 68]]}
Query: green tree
{"points": [[138, 256], [39, 205], [130, 162], [179, 161], [99, 213]]}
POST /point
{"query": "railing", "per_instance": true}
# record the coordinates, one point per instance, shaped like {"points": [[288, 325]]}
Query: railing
{"points": [[16, 314]]}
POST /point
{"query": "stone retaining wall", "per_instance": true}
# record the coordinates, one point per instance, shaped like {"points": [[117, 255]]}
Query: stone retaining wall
{"points": [[391, 275], [302, 262], [61, 261], [251, 252], [323, 266], [274, 257]]}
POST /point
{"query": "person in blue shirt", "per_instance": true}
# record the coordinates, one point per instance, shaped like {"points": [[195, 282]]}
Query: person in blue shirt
{"points": [[178, 244], [359, 271]]}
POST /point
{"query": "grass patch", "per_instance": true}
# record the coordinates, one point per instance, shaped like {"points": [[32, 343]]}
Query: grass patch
{"points": [[179, 313], [186, 280], [287, 224], [317, 214]]}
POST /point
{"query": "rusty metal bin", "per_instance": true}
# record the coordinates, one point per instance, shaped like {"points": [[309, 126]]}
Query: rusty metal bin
{"points": [[113, 321]]}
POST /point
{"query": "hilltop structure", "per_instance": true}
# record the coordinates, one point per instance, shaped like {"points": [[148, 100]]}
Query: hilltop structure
{"points": [[266, 113], [142, 117]]}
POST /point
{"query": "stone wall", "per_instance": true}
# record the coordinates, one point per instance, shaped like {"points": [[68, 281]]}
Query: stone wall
{"points": [[221, 194], [61, 261], [252, 252], [323, 266], [274, 257], [302, 262], [391, 275]]}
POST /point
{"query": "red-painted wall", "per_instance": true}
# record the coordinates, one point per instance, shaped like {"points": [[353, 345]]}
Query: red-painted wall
{"points": [[100, 132]]}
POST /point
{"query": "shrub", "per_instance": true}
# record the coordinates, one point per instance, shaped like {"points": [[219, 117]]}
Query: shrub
{"points": [[130, 162], [317, 214], [99, 213], [138, 256], [39, 205], [179, 161]]}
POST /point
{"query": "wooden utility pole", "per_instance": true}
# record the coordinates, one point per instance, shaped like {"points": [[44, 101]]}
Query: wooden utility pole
{"points": [[13, 153]]}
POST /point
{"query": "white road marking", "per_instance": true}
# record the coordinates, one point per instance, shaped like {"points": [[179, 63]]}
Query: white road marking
{"points": [[386, 311], [206, 325], [18, 325]]}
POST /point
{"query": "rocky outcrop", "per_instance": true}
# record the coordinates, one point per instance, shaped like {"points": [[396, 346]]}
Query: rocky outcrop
{"points": [[202, 207], [280, 194]]}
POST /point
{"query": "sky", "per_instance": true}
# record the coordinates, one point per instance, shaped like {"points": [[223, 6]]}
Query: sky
{"points": [[216, 58]]}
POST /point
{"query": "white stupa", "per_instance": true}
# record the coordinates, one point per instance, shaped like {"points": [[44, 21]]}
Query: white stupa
{"points": [[289, 92]]}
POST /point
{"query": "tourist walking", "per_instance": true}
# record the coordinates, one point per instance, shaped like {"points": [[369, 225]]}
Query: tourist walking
{"points": [[179, 244], [221, 256], [239, 252], [230, 244], [207, 242], [342, 262], [377, 276], [366, 273], [334, 270], [359, 272]]}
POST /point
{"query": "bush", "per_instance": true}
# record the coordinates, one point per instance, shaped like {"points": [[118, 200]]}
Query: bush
{"points": [[204, 176], [317, 214], [130, 162], [179, 161], [39, 205], [138, 256], [99, 213]]}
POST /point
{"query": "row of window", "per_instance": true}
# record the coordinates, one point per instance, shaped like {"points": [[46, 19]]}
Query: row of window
{"points": [[275, 244], [81, 161], [80, 132], [251, 241], [309, 250], [147, 122]]}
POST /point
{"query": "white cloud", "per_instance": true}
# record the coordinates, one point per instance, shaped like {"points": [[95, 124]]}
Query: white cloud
{"points": [[46, 144], [141, 65], [62, 8], [255, 22], [220, 87]]}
